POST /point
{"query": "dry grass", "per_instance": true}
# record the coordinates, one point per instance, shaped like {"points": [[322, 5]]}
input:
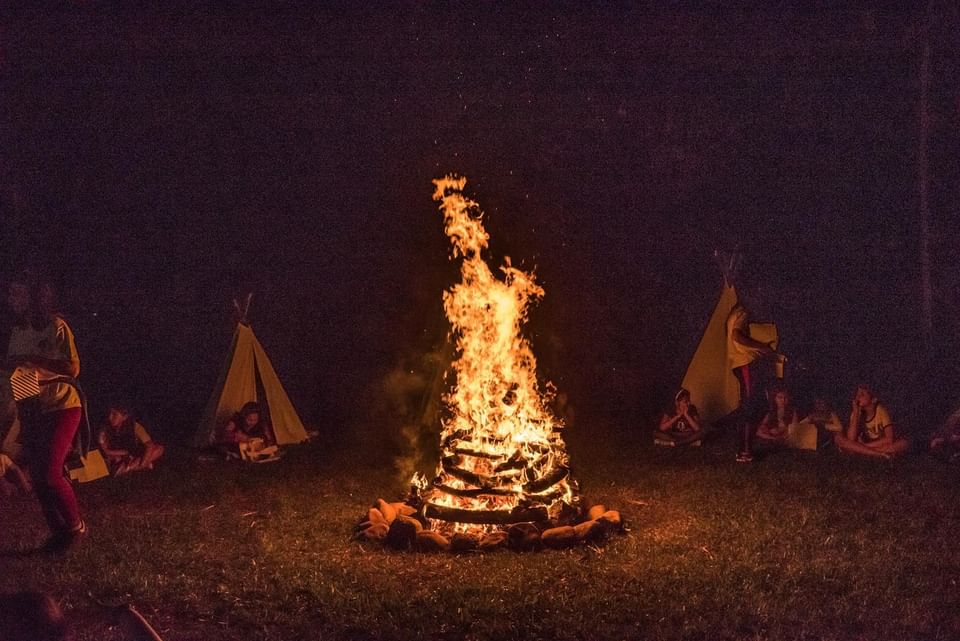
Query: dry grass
{"points": [[797, 546]]}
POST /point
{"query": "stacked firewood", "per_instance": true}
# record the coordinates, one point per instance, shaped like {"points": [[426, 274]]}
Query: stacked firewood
{"points": [[406, 527]]}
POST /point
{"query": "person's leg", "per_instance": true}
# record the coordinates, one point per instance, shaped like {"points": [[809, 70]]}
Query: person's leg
{"points": [[745, 413], [898, 447], [54, 490], [153, 454], [845, 444]]}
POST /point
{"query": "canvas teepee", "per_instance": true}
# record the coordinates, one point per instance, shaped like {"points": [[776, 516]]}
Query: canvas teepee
{"points": [[248, 375], [713, 387], [709, 377]]}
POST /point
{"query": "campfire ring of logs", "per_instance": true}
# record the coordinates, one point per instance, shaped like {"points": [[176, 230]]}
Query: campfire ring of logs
{"points": [[406, 527]]}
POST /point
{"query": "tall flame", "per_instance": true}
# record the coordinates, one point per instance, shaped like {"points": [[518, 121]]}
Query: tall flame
{"points": [[501, 444]]}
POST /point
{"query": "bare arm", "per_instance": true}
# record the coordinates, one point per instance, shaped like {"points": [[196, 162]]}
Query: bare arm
{"points": [[743, 338], [667, 421], [853, 424]]}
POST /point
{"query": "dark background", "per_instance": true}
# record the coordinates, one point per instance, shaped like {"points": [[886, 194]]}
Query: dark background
{"points": [[158, 163]]}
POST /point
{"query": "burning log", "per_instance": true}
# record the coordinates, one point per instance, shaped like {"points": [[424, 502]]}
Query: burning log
{"points": [[476, 453], [485, 517], [474, 493], [475, 478], [546, 481]]}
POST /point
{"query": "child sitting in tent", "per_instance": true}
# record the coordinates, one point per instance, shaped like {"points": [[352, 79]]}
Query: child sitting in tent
{"points": [[870, 431], [125, 444], [679, 425], [249, 435]]}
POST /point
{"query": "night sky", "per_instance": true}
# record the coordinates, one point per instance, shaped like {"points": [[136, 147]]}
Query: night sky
{"points": [[159, 163]]}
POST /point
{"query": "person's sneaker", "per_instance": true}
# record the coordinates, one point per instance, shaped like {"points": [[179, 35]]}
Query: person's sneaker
{"points": [[61, 542], [744, 457]]}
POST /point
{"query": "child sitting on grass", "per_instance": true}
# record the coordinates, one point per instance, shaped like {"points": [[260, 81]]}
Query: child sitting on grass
{"points": [[679, 425], [870, 431], [782, 417], [125, 443], [945, 444]]}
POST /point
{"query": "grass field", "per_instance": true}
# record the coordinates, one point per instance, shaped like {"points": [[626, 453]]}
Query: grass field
{"points": [[796, 546]]}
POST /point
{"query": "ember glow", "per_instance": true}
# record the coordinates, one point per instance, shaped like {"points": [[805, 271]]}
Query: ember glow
{"points": [[503, 459]]}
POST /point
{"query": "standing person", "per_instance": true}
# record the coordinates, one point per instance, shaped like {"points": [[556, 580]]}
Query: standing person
{"points": [[870, 431], [42, 340], [744, 355]]}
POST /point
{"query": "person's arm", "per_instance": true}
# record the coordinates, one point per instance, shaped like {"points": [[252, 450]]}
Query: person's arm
{"points": [[667, 421], [741, 337], [231, 434], [853, 425], [834, 422], [104, 442], [765, 423], [268, 432], [693, 417]]}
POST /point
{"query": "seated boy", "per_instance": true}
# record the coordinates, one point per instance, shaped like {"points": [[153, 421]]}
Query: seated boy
{"points": [[870, 431], [125, 443]]}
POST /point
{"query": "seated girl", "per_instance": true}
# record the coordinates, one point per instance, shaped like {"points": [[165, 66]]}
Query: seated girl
{"points": [[870, 431], [781, 419], [679, 425], [248, 434], [125, 443]]}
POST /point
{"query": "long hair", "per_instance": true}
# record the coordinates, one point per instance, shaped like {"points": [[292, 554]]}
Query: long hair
{"points": [[789, 409]]}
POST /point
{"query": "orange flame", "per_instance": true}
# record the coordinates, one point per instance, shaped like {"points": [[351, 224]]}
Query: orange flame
{"points": [[498, 430]]}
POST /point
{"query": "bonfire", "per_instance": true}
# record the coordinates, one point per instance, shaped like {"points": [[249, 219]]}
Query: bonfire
{"points": [[504, 476]]}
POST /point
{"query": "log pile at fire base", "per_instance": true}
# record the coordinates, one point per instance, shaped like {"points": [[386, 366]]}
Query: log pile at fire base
{"points": [[403, 526]]}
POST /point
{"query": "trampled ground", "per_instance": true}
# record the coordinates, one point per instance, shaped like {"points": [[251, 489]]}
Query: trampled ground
{"points": [[797, 546]]}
